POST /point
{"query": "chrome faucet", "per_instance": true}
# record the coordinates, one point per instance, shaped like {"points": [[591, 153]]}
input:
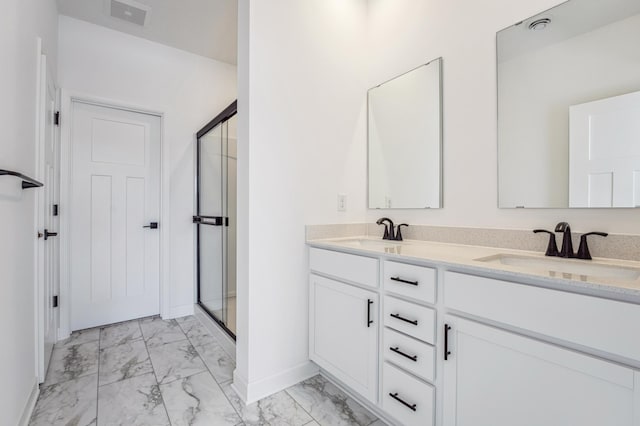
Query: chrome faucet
{"points": [[567, 245]]}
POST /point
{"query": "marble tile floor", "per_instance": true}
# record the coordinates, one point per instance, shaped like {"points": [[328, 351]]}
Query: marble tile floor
{"points": [[174, 373]]}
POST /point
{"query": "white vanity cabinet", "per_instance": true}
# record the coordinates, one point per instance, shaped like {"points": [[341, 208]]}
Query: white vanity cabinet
{"points": [[343, 320], [497, 378], [494, 377]]}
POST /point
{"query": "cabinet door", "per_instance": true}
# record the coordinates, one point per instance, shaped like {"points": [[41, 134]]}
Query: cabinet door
{"points": [[496, 378], [343, 333]]}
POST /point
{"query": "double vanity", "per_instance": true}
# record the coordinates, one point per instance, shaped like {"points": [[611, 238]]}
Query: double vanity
{"points": [[427, 333]]}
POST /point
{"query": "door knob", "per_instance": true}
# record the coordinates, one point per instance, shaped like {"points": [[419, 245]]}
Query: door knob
{"points": [[48, 234], [152, 225]]}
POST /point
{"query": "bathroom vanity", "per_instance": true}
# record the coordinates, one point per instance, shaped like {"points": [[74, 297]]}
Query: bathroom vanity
{"points": [[440, 334]]}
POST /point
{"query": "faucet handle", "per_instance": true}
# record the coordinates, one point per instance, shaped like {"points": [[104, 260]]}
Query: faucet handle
{"points": [[398, 232], [583, 250], [552, 248]]}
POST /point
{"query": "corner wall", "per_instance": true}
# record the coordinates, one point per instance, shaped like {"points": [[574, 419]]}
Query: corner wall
{"points": [[301, 115], [189, 89], [21, 23]]}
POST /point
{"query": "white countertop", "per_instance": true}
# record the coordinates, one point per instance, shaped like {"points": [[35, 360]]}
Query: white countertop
{"points": [[464, 258]]}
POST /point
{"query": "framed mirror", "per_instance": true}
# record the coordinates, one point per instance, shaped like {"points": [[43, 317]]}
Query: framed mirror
{"points": [[404, 140], [569, 107]]}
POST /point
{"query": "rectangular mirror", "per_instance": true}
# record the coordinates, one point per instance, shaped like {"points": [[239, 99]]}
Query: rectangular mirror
{"points": [[569, 107], [405, 140]]}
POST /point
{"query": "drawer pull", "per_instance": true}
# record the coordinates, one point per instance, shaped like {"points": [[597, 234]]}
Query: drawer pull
{"points": [[397, 316], [395, 396], [447, 352], [400, 280], [369, 320], [397, 350]]}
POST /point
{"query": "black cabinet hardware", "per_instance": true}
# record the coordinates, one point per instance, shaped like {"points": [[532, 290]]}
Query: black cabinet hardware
{"points": [[397, 350], [27, 182], [400, 280], [369, 320], [583, 250], [397, 316], [447, 352], [395, 396], [152, 225], [55, 302], [56, 210], [552, 248], [56, 118], [48, 234]]}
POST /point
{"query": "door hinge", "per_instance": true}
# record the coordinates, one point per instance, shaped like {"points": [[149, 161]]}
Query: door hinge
{"points": [[55, 301], [56, 118], [55, 210]]}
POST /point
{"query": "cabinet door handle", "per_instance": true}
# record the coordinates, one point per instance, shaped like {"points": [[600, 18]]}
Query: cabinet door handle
{"points": [[397, 316], [400, 280], [395, 396], [447, 352], [397, 350], [369, 320]]}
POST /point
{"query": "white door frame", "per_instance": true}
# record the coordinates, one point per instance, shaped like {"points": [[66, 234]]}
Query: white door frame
{"points": [[67, 99]]}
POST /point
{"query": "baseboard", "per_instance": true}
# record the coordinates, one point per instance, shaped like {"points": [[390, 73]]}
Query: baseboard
{"points": [[259, 389], [31, 405], [179, 311], [226, 341], [239, 385]]}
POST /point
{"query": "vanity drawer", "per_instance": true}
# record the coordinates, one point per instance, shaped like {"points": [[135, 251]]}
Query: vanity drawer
{"points": [[406, 398], [409, 318], [417, 282], [349, 267], [601, 324], [414, 356]]}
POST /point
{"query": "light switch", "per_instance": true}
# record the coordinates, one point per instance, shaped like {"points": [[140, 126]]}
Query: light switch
{"points": [[342, 202]]}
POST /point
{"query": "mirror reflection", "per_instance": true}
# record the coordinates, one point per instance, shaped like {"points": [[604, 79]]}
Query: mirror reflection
{"points": [[405, 140], [569, 107]]}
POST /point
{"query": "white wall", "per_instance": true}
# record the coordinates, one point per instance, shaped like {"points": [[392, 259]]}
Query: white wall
{"points": [[21, 22], [301, 127], [406, 33], [189, 89]]}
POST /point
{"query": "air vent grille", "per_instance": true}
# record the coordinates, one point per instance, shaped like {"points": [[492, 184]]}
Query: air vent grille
{"points": [[130, 11]]}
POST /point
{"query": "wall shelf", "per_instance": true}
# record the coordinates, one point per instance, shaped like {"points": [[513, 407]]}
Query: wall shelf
{"points": [[27, 182]]}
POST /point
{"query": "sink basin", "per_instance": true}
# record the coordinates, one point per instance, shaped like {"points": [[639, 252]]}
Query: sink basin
{"points": [[366, 242], [565, 267]]}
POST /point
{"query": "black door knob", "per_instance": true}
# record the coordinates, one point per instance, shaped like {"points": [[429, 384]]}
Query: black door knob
{"points": [[48, 234], [152, 225]]}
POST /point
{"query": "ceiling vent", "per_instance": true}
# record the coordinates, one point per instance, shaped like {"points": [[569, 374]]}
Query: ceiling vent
{"points": [[130, 11]]}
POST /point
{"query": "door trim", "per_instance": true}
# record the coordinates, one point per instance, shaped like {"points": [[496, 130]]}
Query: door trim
{"points": [[68, 97]]}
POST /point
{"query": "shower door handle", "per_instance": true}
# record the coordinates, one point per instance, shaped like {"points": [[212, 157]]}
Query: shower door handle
{"points": [[211, 220]]}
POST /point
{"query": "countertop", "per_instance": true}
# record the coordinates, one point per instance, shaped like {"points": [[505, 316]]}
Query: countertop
{"points": [[464, 258]]}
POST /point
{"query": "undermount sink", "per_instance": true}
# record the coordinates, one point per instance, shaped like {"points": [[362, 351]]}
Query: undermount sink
{"points": [[366, 242], [564, 266]]}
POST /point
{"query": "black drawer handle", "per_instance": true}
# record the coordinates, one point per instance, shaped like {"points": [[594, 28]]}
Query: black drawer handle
{"points": [[397, 316], [369, 320], [397, 350], [400, 280], [395, 396], [447, 352]]}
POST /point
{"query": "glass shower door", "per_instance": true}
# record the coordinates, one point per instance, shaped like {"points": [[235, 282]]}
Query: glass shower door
{"points": [[216, 222]]}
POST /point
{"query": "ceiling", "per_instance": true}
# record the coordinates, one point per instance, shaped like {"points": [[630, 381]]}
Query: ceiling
{"points": [[204, 27], [569, 19]]}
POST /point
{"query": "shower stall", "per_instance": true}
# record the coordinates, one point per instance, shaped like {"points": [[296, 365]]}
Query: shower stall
{"points": [[215, 218]]}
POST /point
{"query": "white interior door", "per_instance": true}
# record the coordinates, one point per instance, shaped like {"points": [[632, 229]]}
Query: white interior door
{"points": [[604, 153], [48, 222], [115, 193]]}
